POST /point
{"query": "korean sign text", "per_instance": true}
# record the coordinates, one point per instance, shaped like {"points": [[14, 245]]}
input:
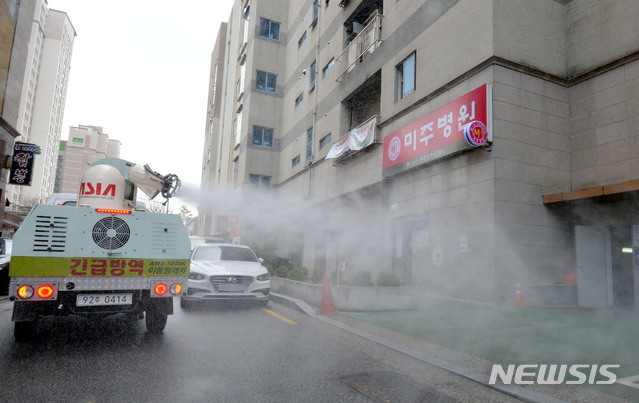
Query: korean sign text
{"points": [[436, 135]]}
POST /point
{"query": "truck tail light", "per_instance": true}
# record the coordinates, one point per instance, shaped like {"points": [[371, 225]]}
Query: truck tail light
{"points": [[175, 289], [25, 292], [160, 289], [45, 291], [38, 291]]}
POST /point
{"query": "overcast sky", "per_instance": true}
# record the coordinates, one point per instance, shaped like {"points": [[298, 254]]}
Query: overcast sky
{"points": [[140, 70]]}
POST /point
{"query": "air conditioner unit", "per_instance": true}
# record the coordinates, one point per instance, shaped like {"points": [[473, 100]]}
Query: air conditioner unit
{"points": [[352, 30]]}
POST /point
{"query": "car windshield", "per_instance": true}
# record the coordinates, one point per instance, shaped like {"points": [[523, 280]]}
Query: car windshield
{"points": [[217, 253]]}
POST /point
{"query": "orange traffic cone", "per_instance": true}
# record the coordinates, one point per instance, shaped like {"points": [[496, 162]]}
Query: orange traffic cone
{"points": [[327, 307], [519, 299]]}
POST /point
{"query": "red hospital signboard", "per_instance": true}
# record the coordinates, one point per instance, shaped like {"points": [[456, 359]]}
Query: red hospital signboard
{"points": [[439, 134]]}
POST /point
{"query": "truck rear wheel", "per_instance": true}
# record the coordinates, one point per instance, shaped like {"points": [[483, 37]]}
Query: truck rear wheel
{"points": [[24, 331], [155, 320]]}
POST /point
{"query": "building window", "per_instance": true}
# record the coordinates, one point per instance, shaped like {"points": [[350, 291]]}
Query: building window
{"points": [[302, 39], [234, 134], [260, 182], [299, 99], [309, 143], [262, 136], [269, 29], [312, 77], [295, 161], [325, 141], [237, 127], [405, 77], [315, 13], [328, 68], [266, 81], [245, 22]]}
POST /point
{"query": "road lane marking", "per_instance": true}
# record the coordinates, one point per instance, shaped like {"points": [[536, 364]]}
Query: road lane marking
{"points": [[278, 316]]}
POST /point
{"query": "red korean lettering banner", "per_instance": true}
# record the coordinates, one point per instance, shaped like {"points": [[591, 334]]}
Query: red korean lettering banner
{"points": [[435, 135]]}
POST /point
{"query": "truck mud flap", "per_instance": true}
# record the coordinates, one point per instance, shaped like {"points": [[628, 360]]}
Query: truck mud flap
{"points": [[29, 311], [164, 305]]}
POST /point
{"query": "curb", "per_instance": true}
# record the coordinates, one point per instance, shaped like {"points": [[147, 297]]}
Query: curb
{"points": [[511, 390]]}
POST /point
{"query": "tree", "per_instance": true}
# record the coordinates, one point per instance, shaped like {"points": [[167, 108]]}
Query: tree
{"points": [[185, 213], [155, 207], [187, 218]]}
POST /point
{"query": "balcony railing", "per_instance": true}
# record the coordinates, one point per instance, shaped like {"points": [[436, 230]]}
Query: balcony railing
{"points": [[364, 44]]}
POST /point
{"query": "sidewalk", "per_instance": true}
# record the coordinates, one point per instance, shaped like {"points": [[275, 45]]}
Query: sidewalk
{"points": [[467, 338]]}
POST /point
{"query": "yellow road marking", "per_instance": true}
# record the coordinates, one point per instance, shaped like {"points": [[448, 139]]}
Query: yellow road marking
{"points": [[278, 316]]}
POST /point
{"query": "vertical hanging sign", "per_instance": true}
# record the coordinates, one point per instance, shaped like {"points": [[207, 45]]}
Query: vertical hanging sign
{"points": [[22, 163]]}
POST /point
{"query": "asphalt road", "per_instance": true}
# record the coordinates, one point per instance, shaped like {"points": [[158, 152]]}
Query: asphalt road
{"points": [[215, 354]]}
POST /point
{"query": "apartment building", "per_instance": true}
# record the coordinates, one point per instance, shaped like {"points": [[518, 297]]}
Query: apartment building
{"points": [[215, 157], [85, 145], [465, 145], [45, 77]]}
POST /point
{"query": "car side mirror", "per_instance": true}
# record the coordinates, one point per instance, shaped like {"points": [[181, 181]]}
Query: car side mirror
{"points": [[260, 260]]}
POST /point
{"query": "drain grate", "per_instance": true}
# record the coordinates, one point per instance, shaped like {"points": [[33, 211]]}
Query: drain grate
{"points": [[387, 386]]}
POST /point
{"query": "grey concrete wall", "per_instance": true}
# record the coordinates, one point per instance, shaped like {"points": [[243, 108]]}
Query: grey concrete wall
{"points": [[604, 120], [449, 39], [364, 299], [532, 157], [599, 32], [565, 40], [532, 33]]}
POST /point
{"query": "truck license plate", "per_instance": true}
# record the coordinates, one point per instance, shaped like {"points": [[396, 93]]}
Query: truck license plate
{"points": [[103, 299]]}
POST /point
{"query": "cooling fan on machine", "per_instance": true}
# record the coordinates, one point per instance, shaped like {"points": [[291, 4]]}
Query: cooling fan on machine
{"points": [[111, 233]]}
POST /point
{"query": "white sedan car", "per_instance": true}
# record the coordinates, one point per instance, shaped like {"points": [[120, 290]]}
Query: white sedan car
{"points": [[226, 272]]}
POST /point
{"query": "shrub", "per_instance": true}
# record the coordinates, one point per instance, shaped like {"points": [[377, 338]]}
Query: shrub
{"points": [[281, 271], [318, 275], [270, 269], [387, 279], [363, 279], [297, 274]]}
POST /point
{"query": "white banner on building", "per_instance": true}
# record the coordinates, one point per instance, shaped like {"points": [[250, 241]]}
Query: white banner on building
{"points": [[363, 135], [357, 139], [339, 148]]}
